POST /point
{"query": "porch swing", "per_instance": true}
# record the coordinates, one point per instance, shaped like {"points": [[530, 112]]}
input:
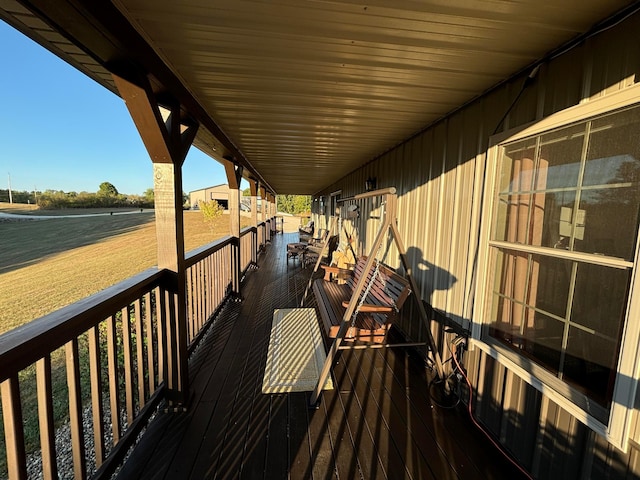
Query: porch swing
{"points": [[359, 313]]}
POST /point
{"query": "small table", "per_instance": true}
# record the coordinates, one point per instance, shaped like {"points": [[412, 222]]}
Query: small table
{"points": [[295, 249]]}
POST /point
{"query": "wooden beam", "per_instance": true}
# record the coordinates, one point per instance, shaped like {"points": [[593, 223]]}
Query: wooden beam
{"points": [[233, 171], [146, 116], [166, 135]]}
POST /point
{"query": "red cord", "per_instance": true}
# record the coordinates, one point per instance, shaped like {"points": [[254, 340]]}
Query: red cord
{"points": [[496, 444]]}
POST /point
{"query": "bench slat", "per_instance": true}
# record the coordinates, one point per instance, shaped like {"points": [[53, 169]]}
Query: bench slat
{"points": [[388, 289]]}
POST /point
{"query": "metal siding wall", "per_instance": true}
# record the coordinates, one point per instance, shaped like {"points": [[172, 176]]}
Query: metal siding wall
{"points": [[439, 178]]}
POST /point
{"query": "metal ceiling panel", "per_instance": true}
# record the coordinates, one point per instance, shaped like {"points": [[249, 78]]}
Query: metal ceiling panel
{"points": [[309, 90]]}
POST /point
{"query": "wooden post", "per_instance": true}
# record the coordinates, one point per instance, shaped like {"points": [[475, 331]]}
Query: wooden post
{"points": [[167, 137], [253, 185], [272, 209], [263, 206], [234, 175]]}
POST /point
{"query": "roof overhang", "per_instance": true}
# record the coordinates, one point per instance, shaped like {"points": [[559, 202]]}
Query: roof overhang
{"points": [[300, 93]]}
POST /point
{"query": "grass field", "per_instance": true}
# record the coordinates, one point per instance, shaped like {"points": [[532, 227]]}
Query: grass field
{"points": [[47, 264]]}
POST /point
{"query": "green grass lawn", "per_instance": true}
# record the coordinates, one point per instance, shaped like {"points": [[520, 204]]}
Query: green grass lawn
{"points": [[48, 264]]}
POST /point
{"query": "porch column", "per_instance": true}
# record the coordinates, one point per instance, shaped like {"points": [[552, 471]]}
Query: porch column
{"points": [[263, 211], [270, 214], [167, 139], [263, 208], [253, 185], [234, 174]]}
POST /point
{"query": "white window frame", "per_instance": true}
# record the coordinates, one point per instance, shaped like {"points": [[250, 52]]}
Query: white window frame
{"points": [[617, 429]]}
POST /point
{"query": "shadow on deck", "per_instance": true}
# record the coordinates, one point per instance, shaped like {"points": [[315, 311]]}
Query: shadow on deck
{"points": [[378, 423]]}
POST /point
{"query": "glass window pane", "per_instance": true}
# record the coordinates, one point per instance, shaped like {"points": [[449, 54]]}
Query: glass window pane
{"points": [[560, 155], [517, 170], [511, 280], [512, 217], [550, 284], [614, 149], [507, 315], [590, 364], [608, 222], [600, 299], [551, 220], [543, 341]]}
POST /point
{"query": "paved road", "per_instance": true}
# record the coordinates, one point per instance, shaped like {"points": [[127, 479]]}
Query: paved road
{"points": [[16, 216]]}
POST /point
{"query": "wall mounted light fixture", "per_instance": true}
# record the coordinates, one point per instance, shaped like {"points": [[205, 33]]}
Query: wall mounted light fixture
{"points": [[370, 184]]}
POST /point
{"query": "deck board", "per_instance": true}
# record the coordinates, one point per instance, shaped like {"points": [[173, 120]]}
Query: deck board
{"points": [[377, 423]]}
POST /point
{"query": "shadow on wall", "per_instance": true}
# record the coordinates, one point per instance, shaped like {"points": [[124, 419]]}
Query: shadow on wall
{"points": [[436, 278]]}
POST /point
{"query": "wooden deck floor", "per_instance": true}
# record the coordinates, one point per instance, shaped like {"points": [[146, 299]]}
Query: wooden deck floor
{"points": [[379, 422]]}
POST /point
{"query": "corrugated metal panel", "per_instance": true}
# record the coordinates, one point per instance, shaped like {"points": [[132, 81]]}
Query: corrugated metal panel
{"points": [[562, 436], [519, 420]]}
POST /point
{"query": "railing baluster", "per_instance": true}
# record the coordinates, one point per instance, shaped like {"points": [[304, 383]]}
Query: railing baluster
{"points": [[114, 388], [128, 363], [140, 353], [45, 419], [75, 409], [209, 284], [13, 429], [97, 409], [200, 298], [171, 373], [191, 320], [160, 314], [203, 298], [148, 318]]}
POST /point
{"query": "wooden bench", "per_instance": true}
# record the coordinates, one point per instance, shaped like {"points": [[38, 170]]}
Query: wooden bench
{"points": [[386, 296]]}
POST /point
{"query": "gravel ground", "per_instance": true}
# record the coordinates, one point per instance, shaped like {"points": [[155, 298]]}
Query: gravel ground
{"points": [[64, 457]]}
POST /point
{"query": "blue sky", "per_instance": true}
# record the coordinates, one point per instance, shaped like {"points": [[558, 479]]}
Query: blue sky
{"points": [[61, 130]]}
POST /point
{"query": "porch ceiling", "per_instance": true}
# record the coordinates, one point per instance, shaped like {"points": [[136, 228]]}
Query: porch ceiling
{"points": [[303, 92]]}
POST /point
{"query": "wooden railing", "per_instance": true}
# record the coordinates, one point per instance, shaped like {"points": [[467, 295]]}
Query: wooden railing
{"points": [[115, 350], [248, 248], [208, 282], [109, 346]]}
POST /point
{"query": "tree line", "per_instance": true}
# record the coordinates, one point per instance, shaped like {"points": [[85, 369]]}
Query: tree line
{"points": [[293, 204], [107, 196]]}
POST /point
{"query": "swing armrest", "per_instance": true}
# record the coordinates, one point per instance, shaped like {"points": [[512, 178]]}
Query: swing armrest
{"points": [[370, 308]]}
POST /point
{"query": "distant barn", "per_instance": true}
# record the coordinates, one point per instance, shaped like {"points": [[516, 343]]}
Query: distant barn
{"points": [[219, 193]]}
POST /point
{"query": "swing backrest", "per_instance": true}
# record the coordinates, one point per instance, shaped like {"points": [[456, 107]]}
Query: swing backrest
{"points": [[389, 288]]}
